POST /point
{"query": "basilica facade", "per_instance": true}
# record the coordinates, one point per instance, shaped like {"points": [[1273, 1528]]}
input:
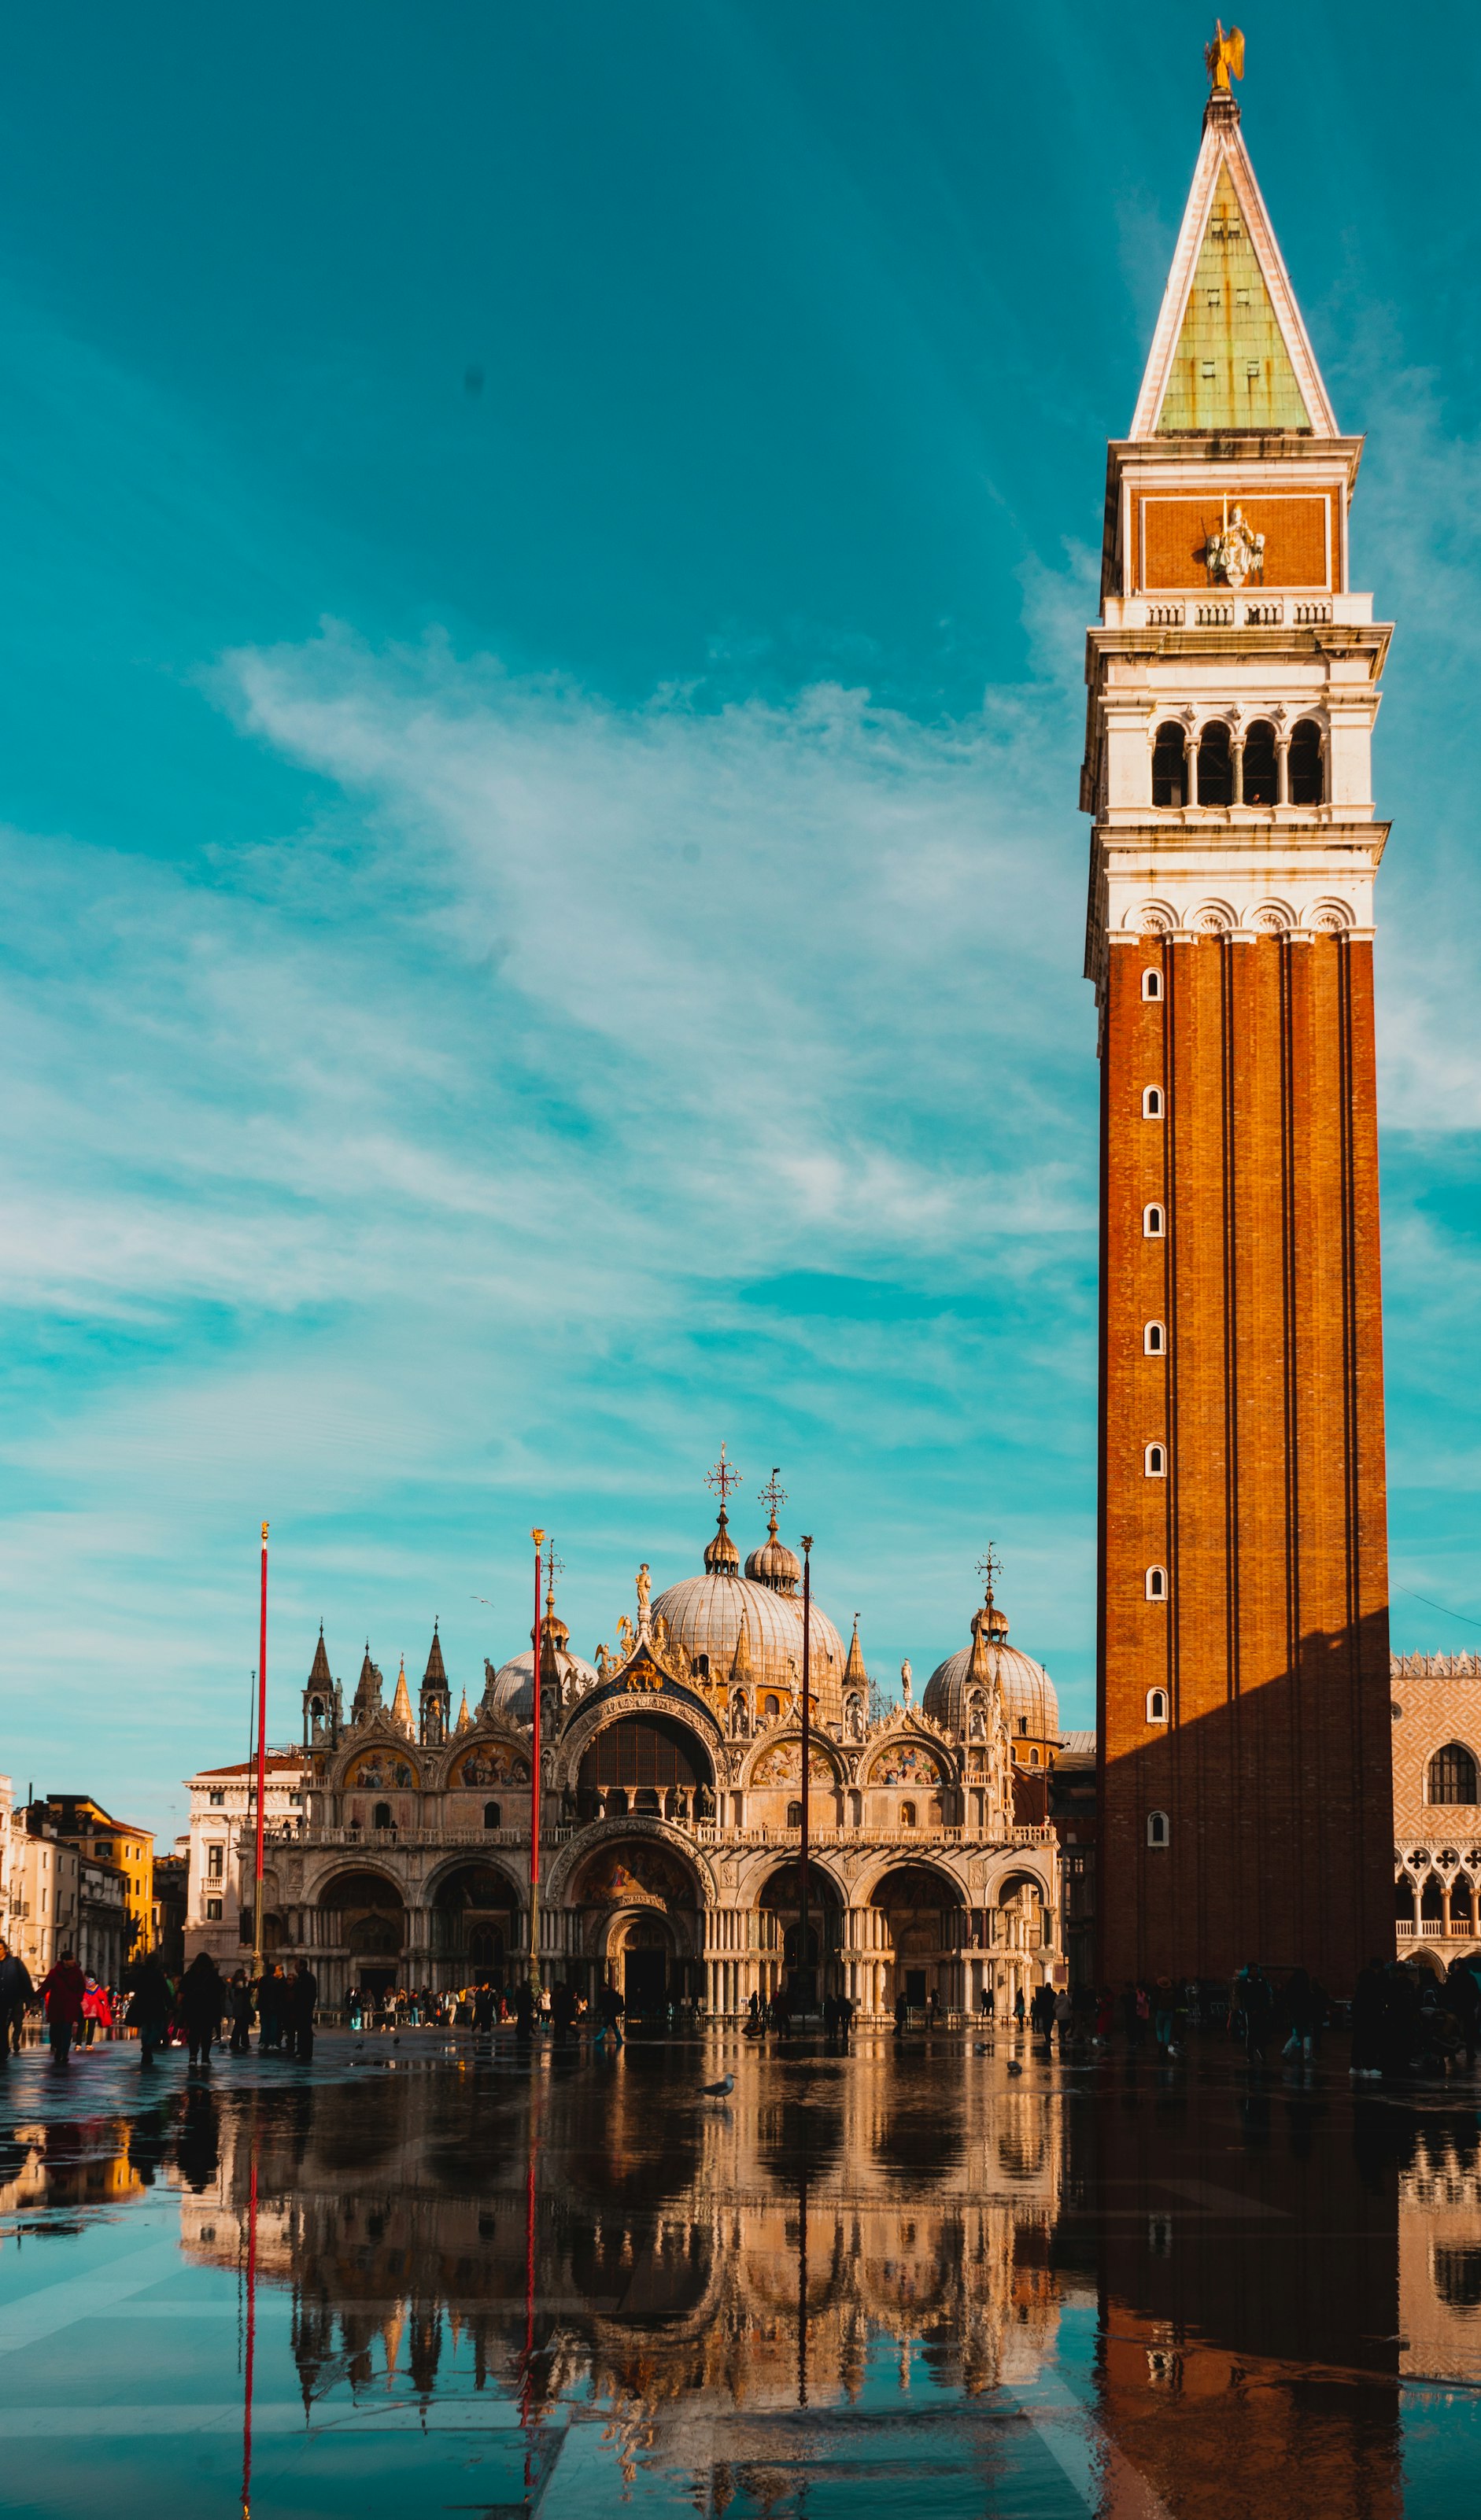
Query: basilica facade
{"points": [[671, 1814]]}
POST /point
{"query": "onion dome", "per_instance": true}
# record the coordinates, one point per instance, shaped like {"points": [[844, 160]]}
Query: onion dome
{"points": [[1029, 1701], [722, 1556], [723, 1626], [774, 1564]]}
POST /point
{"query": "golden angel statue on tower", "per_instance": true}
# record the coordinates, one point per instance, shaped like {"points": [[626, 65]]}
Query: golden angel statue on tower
{"points": [[1225, 56]]}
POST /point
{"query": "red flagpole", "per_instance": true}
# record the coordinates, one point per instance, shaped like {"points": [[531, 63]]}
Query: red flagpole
{"points": [[807, 1752], [538, 1537], [261, 1763]]}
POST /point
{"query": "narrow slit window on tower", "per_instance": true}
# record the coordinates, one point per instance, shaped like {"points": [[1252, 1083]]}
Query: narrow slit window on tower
{"points": [[1153, 1339], [1304, 769], [1170, 765], [1151, 984], [1151, 1102], [1157, 1460], [1156, 1583], [1260, 763], [1215, 776], [1154, 1222], [1157, 1829], [1157, 1706]]}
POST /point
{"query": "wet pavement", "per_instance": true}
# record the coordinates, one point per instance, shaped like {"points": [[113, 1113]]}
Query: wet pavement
{"points": [[405, 2278]]}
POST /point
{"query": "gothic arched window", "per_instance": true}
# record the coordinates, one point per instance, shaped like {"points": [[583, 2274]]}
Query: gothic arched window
{"points": [[1304, 765], [492, 1816], [1156, 1583], [1154, 1222], [382, 1818], [906, 1814], [1153, 1339], [1453, 1774], [1151, 1102], [1159, 1830], [1170, 765], [1157, 1706], [794, 1814]]}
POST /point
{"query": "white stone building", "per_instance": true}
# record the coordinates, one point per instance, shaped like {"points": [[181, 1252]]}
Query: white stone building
{"points": [[223, 1812]]}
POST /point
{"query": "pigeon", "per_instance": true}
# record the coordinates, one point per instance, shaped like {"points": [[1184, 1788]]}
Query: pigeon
{"points": [[981, 2048], [720, 2090], [1015, 2067]]}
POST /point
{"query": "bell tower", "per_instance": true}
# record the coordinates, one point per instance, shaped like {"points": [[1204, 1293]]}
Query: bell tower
{"points": [[1244, 1698]]}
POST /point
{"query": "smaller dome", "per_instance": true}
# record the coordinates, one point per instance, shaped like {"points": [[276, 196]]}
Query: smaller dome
{"points": [[722, 1556], [774, 1564], [1029, 1700], [509, 1690]]}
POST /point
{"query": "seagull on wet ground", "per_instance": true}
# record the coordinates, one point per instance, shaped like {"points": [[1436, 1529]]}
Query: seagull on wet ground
{"points": [[1015, 2067], [720, 2090]]}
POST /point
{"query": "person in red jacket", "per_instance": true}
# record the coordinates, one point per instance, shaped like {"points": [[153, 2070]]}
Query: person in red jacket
{"points": [[62, 1991]]}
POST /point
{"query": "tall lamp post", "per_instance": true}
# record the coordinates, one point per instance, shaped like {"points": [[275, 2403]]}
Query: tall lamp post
{"points": [[538, 1537], [261, 1761]]}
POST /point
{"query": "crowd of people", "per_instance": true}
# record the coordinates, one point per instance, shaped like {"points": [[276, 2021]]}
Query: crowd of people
{"points": [[199, 2009], [1401, 2021]]}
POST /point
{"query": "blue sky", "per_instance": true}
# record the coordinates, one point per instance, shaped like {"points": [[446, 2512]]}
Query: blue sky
{"points": [[546, 555]]}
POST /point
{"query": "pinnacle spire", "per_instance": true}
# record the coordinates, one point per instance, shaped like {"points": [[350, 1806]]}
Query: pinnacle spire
{"points": [[1230, 350], [401, 1703], [465, 1723], [435, 1674], [320, 1674], [854, 1669]]}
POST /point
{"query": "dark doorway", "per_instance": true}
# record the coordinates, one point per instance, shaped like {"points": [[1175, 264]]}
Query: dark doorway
{"points": [[645, 1981], [915, 1985], [377, 1982]]}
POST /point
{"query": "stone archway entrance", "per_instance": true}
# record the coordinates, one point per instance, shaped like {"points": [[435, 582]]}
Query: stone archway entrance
{"points": [[641, 1905], [807, 1973], [362, 1922], [918, 1933], [475, 1925], [640, 1963]]}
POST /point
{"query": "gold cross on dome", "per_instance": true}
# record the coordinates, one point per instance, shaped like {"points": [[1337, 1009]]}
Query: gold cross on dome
{"points": [[722, 1478], [990, 1567], [774, 1495]]}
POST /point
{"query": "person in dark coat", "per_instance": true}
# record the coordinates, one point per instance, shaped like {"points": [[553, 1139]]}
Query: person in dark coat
{"points": [[16, 1992], [62, 1991], [272, 2004], [202, 2001], [524, 2010], [239, 2003], [151, 2001], [302, 1996]]}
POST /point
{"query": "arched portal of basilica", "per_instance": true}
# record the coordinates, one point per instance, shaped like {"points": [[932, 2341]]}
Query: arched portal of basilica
{"points": [[671, 1816]]}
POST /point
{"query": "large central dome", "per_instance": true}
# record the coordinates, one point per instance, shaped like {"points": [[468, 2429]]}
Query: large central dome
{"points": [[705, 1615]]}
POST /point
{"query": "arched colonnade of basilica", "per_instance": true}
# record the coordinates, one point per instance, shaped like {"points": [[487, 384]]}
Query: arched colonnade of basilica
{"points": [[671, 1816]]}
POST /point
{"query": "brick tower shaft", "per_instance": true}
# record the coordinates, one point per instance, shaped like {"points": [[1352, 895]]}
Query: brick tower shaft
{"points": [[1232, 687]]}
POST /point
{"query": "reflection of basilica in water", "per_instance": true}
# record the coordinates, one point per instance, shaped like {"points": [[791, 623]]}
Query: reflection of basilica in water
{"points": [[672, 1808], [900, 2242]]}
